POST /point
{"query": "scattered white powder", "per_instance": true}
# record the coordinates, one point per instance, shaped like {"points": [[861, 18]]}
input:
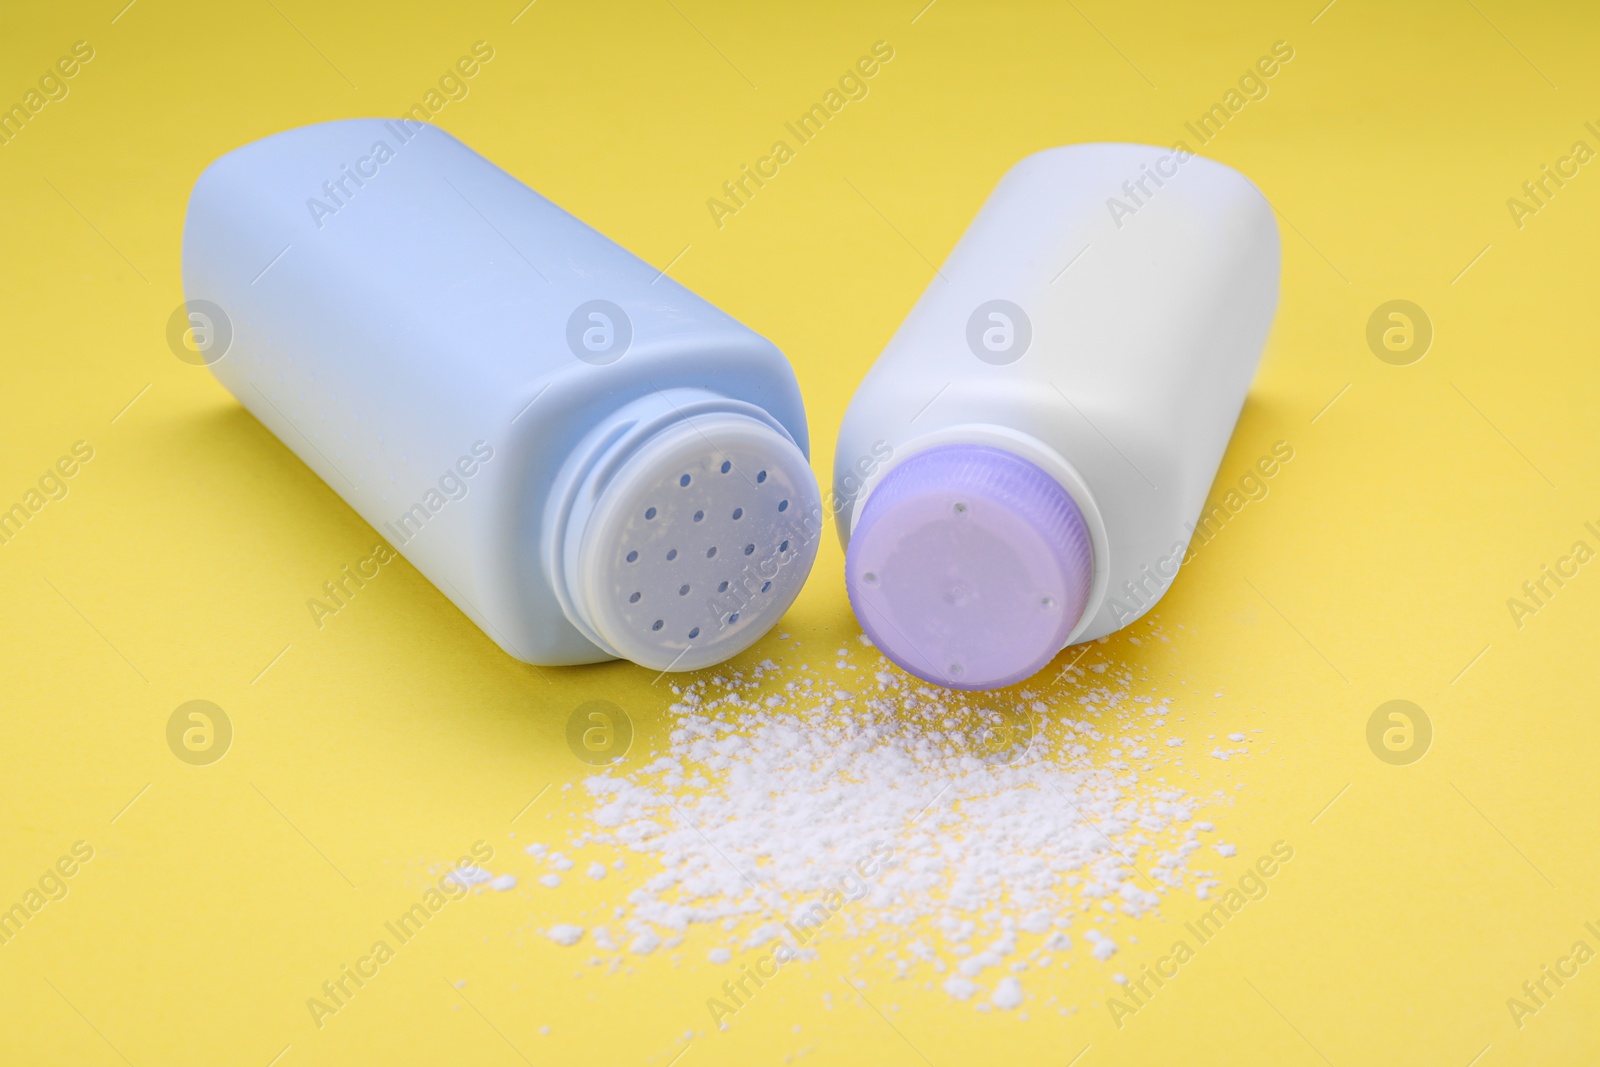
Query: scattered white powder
{"points": [[962, 832], [500, 883], [566, 934], [550, 881]]}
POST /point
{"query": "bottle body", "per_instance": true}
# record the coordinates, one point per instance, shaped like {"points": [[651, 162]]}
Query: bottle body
{"points": [[1101, 318], [462, 361]]}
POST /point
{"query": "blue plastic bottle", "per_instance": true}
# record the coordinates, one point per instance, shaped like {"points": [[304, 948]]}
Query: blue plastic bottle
{"points": [[588, 459]]}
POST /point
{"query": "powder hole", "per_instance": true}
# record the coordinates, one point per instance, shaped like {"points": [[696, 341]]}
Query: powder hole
{"points": [[738, 513], [711, 553], [726, 467], [632, 557], [761, 476], [684, 481], [649, 513], [634, 599], [683, 590], [783, 505], [657, 625], [672, 554]]}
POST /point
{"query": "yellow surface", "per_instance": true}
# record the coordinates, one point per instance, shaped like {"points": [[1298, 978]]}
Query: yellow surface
{"points": [[388, 742]]}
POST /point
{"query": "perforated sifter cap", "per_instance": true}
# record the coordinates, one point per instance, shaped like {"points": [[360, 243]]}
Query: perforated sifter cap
{"points": [[697, 537], [969, 566]]}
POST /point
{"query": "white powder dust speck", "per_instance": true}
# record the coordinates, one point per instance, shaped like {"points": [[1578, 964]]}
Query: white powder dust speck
{"points": [[973, 966], [500, 883], [550, 881], [960, 988], [469, 876], [596, 871], [565, 934], [1104, 948], [1007, 994], [719, 955]]}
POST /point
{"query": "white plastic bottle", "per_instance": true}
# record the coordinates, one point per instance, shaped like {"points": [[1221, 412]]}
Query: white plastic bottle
{"points": [[587, 458], [1056, 404]]}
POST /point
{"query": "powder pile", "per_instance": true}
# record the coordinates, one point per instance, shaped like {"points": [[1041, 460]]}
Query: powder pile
{"points": [[963, 832]]}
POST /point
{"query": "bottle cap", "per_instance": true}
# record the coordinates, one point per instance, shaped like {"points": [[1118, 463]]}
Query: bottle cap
{"points": [[969, 566], [690, 538]]}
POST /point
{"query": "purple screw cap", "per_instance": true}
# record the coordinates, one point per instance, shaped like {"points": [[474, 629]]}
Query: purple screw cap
{"points": [[969, 566]]}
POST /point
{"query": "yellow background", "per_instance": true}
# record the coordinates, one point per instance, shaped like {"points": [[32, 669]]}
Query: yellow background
{"points": [[392, 739]]}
